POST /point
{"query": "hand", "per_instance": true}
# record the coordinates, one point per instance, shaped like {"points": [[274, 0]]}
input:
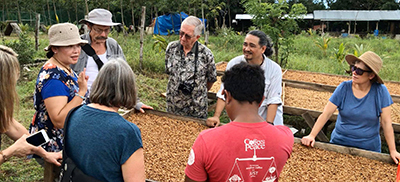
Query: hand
{"points": [[308, 141], [395, 156], [213, 121], [21, 147], [82, 82], [144, 106], [53, 157]]}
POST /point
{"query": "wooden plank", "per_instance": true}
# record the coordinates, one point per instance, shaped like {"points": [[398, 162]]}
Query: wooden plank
{"points": [[310, 122], [49, 174], [220, 73], [315, 114], [169, 115], [334, 75], [322, 87], [309, 85], [299, 111], [351, 150]]}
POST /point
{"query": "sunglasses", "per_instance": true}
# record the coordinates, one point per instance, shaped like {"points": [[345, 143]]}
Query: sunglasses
{"points": [[187, 36], [359, 71]]}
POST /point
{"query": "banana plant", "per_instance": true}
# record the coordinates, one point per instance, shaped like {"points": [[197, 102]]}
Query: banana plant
{"points": [[340, 53], [322, 43], [159, 42], [360, 49]]}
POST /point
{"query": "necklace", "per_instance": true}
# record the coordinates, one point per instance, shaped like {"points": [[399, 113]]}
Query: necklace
{"points": [[68, 69]]}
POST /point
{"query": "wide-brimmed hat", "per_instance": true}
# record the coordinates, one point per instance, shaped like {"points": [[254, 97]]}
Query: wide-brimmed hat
{"points": [[370, 59], [99, 17], [64, 34]]}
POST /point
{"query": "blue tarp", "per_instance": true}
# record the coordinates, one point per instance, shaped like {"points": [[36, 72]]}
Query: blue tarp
{"points": [[164, 24]]}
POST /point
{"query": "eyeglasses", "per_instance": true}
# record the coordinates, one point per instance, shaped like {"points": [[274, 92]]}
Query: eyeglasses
{"points": [[187, 36], [99, 31], [359, 71]]}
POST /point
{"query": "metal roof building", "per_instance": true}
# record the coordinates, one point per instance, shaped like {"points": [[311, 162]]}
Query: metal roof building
{"points": [[356, 15]]}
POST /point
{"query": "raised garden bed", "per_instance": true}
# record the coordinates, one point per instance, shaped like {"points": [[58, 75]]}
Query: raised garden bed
{"points": [[168, 138]]}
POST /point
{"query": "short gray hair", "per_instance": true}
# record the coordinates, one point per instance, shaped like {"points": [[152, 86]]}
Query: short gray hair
{"points": [[115, 85], [194, 21]]}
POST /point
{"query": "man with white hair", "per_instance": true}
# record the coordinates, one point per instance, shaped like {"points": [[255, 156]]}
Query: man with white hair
{"points": [[191, 69], [99, 22]]}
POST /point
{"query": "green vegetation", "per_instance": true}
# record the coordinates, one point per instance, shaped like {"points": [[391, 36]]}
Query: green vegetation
{"points": [[152, 81]]}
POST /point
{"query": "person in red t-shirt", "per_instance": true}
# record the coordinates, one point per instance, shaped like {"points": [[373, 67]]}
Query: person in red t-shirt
{"points": [[247, 149]]}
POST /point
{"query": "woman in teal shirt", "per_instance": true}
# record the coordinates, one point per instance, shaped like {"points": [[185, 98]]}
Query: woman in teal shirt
{"points": [[363, 104]]}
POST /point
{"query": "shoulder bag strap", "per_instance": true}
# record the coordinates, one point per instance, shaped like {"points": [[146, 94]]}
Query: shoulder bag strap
{"points": [[196, 56], [90, 51], [65, 129]]}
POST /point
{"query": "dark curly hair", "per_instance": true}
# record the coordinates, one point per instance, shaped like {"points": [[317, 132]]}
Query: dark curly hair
{"points": [[245, 82], [265, 40]]}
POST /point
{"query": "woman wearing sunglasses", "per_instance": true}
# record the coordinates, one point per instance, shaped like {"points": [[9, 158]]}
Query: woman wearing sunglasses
{"points": [[364, 105]]}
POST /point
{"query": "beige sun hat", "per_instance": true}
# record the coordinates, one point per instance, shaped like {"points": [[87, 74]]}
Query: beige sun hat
{"points": [[64, 34], [370, 59], [99, 16]]}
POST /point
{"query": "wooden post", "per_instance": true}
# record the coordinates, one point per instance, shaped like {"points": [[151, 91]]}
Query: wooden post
{"points": [[37, 27], [141, 36], [87, 8], [49, 175], [310, 122]]}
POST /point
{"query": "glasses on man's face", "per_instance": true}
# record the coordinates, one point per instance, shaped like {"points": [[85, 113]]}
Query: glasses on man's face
{"points": [[359, 71], [100, 31], [187, 36]]}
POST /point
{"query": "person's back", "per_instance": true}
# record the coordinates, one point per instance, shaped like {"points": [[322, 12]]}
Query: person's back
{"points": [[247, 149], [99, 142]]}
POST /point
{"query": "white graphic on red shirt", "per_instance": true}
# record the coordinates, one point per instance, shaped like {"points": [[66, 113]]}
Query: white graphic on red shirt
{"points": [[191, 157], [254, 168]]}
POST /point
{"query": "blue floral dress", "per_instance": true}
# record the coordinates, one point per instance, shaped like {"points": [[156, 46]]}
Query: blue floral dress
{"points": [[52, 81]]}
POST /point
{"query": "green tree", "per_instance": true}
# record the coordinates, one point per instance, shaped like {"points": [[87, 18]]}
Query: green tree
{"points": [[311, 5], [279, 22]]}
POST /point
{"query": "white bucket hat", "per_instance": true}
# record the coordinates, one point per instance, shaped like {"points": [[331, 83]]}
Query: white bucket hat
{"points": [[99, 17], [64, 34]]}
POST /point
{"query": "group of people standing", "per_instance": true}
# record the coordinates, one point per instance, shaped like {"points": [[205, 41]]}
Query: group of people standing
{"points": [[254, 146]]}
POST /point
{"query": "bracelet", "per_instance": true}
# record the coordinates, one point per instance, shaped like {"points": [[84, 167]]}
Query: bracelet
{"points": [[83, 98], [4, 156]]}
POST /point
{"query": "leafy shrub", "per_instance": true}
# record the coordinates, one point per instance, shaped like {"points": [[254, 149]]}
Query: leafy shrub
{"points": [[24, 47]]}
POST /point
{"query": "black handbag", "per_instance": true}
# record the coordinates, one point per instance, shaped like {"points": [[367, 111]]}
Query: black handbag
{"points": [[69, 171]]}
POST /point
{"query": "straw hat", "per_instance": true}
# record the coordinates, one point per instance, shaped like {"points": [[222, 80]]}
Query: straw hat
{"points": [[370, 59], [64, 34], [99, 17]]}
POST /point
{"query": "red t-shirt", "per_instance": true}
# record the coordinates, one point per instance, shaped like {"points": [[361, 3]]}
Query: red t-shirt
{"points": [[240, 152]]}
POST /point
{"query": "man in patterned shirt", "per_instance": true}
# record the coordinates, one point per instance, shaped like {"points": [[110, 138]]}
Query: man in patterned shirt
{"points": [[191, 69]]}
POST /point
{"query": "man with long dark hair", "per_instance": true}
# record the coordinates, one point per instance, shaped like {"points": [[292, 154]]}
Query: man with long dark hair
{"points": [[257, 47]]}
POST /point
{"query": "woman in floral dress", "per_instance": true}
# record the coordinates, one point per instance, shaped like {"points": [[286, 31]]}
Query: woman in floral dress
{"points": [[58, 88]]}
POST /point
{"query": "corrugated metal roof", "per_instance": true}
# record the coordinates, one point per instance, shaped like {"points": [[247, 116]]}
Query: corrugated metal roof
{"points": [[353, 15], [309, 16]]}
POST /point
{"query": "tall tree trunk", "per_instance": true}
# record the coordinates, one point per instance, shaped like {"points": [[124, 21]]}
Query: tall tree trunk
{"points": [[48, 12], [122, 14], [142, 37], [76, 11], [19, 12], [4, 4], [55, 12], [229, 14], [133, 16], [87, 7]]}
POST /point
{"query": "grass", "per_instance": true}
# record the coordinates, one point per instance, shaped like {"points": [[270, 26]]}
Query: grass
{"points": [[151, 81]]}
